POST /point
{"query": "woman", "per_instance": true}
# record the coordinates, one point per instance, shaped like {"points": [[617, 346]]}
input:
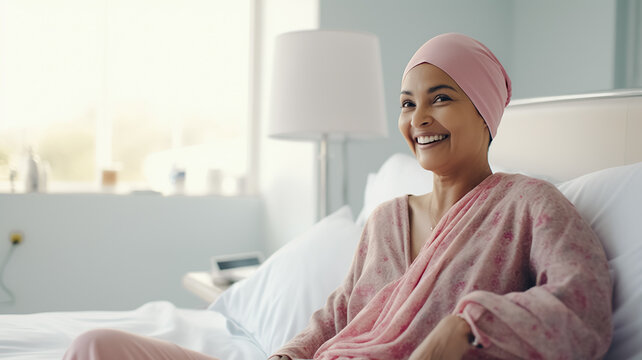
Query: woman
{"points": [[485, 266]]}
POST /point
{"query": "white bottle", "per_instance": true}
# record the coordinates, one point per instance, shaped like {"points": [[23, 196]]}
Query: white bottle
{"points": [[32, 172]]}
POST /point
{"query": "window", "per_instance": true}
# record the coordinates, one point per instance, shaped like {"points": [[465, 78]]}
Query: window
{"points": [[147, 87]]}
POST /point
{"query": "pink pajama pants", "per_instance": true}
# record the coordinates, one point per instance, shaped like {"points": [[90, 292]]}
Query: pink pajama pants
{"points": [[108, 344]]}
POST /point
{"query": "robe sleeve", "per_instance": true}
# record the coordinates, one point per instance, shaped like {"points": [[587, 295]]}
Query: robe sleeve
{"points": [[567, 314], [326, 322]]}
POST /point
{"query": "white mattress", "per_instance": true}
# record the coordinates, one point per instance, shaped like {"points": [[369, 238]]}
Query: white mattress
{"points": [[47, 335]]}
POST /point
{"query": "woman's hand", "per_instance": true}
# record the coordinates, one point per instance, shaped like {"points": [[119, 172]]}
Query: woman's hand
{"points": [[447, 341]]}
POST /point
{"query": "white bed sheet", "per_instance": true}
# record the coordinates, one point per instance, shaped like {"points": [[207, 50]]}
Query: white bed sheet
{"points": [[45, 336]]}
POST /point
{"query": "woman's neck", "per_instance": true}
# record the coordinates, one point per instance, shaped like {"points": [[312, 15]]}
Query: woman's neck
{"points": [[450, 188]]}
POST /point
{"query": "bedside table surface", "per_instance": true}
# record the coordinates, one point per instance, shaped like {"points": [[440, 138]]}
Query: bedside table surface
{"points": [[200, 284]]}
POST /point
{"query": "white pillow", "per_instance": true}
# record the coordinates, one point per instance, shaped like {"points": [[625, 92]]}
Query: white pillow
{"points": [[276, 302], [401, 174], [611, 201]]}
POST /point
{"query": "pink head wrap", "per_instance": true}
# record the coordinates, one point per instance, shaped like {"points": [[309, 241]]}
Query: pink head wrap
{"points": [[474, 68]]}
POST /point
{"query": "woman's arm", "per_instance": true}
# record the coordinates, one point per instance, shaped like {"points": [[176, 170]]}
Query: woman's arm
{"points": [[568, 313]]}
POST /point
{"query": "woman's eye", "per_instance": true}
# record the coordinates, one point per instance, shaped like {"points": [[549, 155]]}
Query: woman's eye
{"points": [[442, 98], [407, 103]]}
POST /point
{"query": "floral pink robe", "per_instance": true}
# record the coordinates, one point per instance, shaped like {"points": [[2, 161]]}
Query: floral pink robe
{"points": [[513, 256]]}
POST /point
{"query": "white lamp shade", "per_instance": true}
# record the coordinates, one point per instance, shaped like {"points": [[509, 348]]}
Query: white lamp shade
{"points": [[327, 82]]}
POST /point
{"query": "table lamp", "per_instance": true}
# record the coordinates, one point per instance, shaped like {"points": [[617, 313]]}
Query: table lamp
{"points": [[327, 85]]}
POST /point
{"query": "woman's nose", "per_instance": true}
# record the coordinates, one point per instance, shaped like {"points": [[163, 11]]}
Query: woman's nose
{"points": [[421, 117]]}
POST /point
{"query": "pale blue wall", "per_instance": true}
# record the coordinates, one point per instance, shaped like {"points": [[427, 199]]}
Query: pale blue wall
{"points": [[562, 47], [548, 47], [116, 252]]}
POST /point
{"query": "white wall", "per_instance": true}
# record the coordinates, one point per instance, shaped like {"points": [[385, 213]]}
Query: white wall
{"points": [[288, 168], [92, 251]]}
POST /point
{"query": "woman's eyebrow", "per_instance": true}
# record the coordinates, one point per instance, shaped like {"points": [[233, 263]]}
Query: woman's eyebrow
{"points": [[431, 89], [442, 86]]}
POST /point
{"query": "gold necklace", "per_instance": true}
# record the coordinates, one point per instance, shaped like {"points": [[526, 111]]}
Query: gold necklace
{"points": [[434, 223]]}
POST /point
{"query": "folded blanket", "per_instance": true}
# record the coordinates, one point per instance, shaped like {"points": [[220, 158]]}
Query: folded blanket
{"points": [[513, 256]]}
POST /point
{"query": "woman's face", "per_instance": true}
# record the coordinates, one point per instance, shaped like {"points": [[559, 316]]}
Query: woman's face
{"points": [[440, 123]]}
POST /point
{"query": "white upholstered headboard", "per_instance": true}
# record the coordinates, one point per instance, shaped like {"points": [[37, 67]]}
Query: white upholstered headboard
{"points": [[567, 136]]}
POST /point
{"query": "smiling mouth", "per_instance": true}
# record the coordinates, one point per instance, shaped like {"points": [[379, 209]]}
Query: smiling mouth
{"points": [[425, 140]]}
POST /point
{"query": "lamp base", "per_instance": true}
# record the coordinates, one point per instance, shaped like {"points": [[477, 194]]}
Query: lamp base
{"points": [[323, 176]]}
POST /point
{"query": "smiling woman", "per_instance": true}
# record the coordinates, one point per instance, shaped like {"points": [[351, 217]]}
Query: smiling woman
{"points": [[93, 84], [486, 265]]}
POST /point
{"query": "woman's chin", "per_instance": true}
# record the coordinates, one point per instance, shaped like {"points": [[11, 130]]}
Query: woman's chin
{"points": [[424, 162]]}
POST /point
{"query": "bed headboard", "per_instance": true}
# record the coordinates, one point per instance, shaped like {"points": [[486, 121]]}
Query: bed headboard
{"points": [[567, 136]]}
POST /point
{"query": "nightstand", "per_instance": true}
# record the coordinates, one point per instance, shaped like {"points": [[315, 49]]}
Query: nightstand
{"points": [[200, 284]]}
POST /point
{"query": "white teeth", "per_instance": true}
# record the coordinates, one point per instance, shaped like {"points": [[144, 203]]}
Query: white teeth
{"points": [[422, 140]]}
